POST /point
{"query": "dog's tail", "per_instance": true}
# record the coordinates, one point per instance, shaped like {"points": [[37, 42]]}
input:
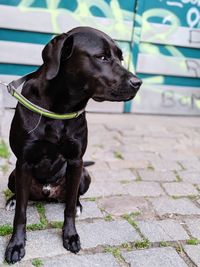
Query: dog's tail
{"points": [[88, 163]]}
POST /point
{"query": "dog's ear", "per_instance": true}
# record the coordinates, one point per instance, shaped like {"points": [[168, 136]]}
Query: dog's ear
{"points": [[58, 49]]}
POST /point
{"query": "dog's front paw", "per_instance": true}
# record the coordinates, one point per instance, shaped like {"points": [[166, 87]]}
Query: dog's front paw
{"points": [[72, 243], [14, 252]]}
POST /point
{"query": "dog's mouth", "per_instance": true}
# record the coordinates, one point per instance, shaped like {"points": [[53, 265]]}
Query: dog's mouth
{"points": [[124, 95], [116, 98], [98, 98]]}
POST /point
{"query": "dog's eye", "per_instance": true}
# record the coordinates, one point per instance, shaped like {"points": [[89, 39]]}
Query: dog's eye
{"points": [[102, 57]]}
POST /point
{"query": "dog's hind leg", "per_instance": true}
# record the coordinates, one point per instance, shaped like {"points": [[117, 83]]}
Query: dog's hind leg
{"points": [[11, 202], [11, 181], [83, 188]]}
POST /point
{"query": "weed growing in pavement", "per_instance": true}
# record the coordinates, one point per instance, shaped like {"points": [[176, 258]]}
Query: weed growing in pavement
{"points": [[192, 241], [37, 263], [142, 244]]}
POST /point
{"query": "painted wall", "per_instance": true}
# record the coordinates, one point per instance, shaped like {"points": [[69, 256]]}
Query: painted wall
{"points": [[160, 40], [167, 37]]}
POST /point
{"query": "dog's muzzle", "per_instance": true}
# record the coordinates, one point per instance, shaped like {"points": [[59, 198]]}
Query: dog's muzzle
{"points": [[135, 83]]}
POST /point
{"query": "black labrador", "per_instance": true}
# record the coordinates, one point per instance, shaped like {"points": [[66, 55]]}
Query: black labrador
{"points": [[78, 65]]}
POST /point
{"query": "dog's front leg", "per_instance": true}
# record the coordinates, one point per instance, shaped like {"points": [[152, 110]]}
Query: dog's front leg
{"points": [[15, 250], [71, 239]]}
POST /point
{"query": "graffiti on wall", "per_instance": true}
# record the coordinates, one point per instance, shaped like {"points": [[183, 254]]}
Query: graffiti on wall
{"points": [[113, 16], [175, 14]]}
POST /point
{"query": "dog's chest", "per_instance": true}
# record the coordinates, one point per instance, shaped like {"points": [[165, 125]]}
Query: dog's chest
{"points": [[64, 138]]}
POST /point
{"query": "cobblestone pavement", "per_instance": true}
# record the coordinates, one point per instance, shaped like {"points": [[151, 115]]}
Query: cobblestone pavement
{"points": [[143, 207]]}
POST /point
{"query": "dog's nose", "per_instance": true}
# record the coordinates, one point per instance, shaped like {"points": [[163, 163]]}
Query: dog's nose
{"points": [[135, 82]]}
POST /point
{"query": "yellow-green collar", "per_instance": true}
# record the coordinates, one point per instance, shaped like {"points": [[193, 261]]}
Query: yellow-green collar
{"points": [[31, 106]]}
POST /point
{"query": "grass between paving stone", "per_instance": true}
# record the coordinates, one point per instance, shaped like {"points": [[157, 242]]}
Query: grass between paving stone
{"points": [[175, 197], [43, 220], [58, 225], [115, 251], [124, 181], [197, 188], [37, 263], [130, 220], [108, 218], [118, 155], [93, 199], [7, 193], [138, 244], [43, 224], [179, 247], [138, 179], [4, 152], [4, 168], [5, 229], [164, 244], [150, 168], [178, 178], [192, 241], [142, 244], [127, 246], [193, 197], [41, 210], [181, 165]]}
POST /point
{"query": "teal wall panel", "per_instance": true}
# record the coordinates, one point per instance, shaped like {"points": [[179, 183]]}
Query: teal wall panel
{"points": [[178, 14]]}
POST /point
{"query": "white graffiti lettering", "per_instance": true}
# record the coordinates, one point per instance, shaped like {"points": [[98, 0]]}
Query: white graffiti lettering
{"points": [[193, 17], [193, 2]]}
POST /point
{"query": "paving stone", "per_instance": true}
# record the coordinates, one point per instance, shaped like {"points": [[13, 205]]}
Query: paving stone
{"points": [[2, 201], [22, 264], [166, 155], [111, 233], [193, 253], [3, 244], [139, 189], [148, 175], [3, 176], [154, 257], [46, 242], [6, 217], [166, 230], [120, 205], [125, 164], [191, 164], [105, 188], [190, 177], [194, 227], [160, 141], [114, 175], [146, 147], [55, 212], [165, 165], [130, 154], [49, 242], [95, 260], [180, 189], [98, 165], [100, 153], [166, 205]]}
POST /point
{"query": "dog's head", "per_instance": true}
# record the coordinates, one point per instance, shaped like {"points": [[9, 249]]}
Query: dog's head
{"points": [[90, 62]]}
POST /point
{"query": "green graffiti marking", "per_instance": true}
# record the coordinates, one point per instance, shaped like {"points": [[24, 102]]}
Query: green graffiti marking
{"points": [[118, 21], [166, 15]]}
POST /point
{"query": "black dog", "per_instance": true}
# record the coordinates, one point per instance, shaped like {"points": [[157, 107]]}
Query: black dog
{"points": [[81, 64]]}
